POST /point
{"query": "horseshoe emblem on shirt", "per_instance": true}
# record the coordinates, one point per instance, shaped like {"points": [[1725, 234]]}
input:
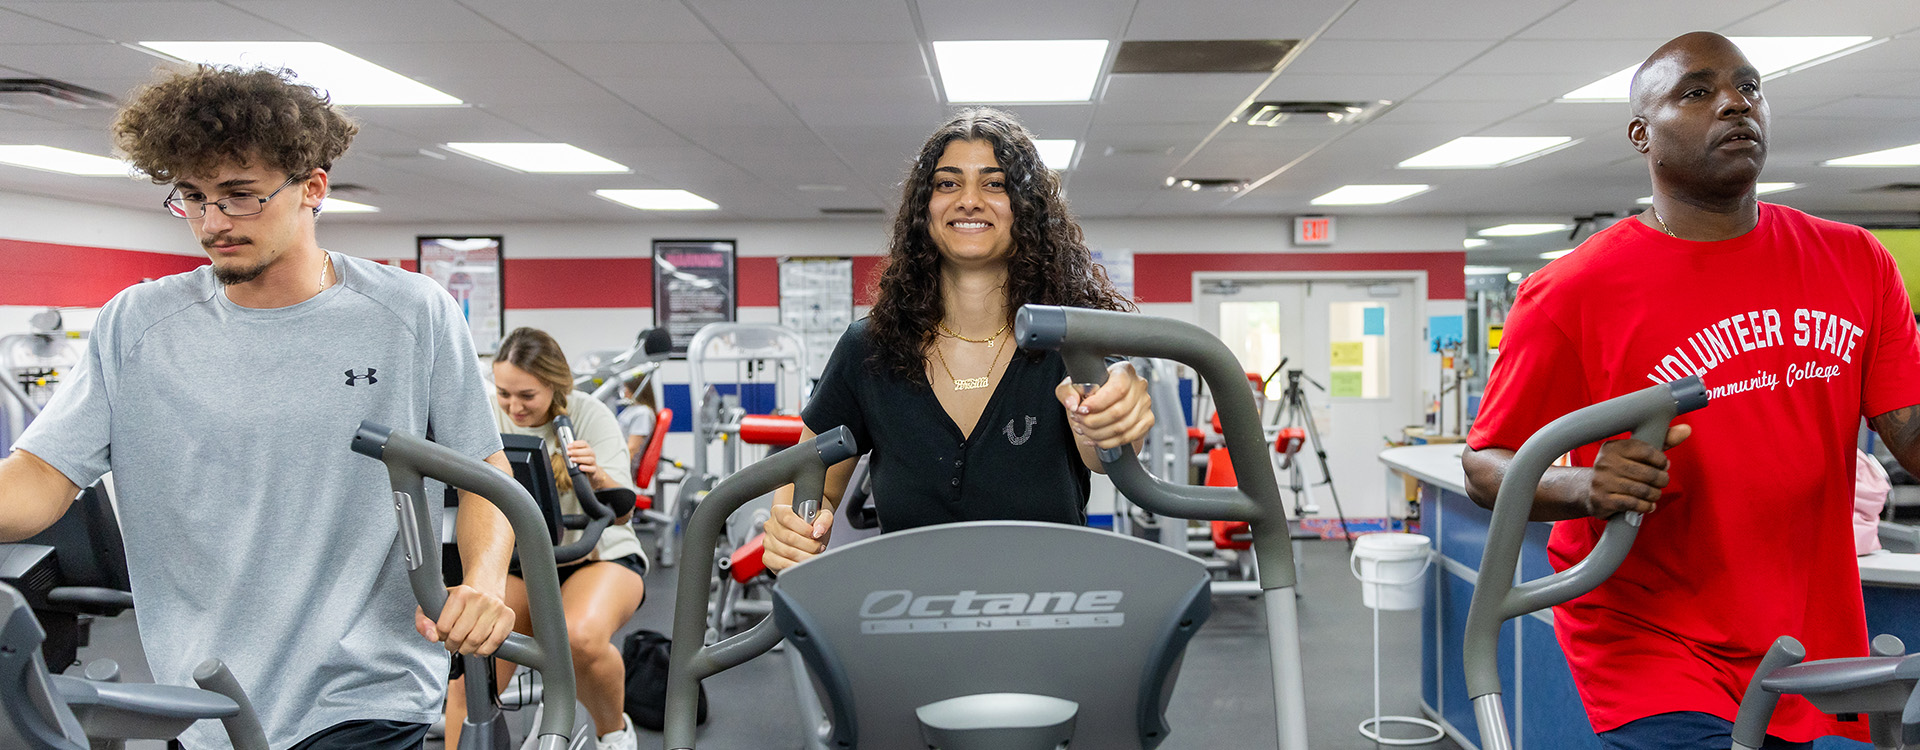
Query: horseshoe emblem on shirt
{"points": [[1023, 437]]}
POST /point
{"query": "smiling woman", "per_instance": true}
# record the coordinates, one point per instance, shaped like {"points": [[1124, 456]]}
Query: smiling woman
{"points": [[930, 383]]}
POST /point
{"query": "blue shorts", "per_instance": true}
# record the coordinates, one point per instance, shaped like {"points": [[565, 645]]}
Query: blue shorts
{"points": [[1692, 730]]}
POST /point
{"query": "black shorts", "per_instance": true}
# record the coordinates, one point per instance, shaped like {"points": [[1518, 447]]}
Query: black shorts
{"points": [[631, 562], [371, 734]]}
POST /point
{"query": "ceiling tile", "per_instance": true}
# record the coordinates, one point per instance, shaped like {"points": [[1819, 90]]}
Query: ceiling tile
{"points": [[1830, 18], [1398, 57], [595, 20], [17, 27], [1395, 19], [337, 21], [833, 62], [1168, 20], [160, 21], [680, 62], [842, 21], [988, 19], [1634, 19]]}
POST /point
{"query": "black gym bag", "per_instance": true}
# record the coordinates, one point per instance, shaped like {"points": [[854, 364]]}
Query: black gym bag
{"points": [[646, 655]]}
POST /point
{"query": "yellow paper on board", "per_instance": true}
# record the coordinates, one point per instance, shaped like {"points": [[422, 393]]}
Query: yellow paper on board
{"points": [[1346, 385], [1349, 354]]}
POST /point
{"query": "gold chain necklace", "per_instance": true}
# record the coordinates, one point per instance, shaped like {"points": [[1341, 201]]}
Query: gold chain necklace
{"points": [[988, 340], [328, 258], [967, 384], [1663, 223]]}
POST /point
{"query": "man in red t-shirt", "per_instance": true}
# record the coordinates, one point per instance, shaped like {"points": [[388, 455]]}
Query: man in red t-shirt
{"points": [[1798, 326]]}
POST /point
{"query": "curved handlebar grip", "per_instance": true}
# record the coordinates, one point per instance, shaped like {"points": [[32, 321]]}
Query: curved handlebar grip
{"points": [[1646, 413], [805, 467], [834, 446], [409, 459], [1085, 338], [243, 728], [599, 516], [1756, 707]]}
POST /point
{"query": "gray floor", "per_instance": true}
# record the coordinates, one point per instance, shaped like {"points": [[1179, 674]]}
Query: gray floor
{"points": [[1223, 700]]}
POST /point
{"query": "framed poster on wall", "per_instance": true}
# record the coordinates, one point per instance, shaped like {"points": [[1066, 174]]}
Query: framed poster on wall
{"points": [[472, 269], [816, 299], [693, 285]]}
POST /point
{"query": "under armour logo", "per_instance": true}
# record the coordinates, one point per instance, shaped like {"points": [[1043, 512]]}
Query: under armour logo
{"points": [[352, 378], [1022, 438]]}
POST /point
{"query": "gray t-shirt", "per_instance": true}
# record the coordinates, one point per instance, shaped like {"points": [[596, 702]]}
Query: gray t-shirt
{"points": [[253, 533]]}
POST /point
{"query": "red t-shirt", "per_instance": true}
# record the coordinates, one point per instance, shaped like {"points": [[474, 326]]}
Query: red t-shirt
{"points": [[1798, 328]]}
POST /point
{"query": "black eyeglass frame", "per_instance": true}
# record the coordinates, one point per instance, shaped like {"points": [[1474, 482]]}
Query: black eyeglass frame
{"points": [[168, 204]]}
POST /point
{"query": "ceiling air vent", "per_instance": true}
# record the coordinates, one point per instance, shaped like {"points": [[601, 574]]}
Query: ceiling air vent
{"points": [[1272, 114], [1208, 184], [350, 187], [1220, 56], [852, 211], [46, 93], [1895, 187]]}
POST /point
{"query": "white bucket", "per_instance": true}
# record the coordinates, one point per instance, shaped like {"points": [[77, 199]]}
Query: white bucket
{"points": [[1391, 568]]}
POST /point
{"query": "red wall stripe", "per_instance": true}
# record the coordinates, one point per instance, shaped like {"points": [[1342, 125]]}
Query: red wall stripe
{"points": [[547, 283], [866, 278], [759, 280], [1168, 277], [40, 273], [43, 273]]}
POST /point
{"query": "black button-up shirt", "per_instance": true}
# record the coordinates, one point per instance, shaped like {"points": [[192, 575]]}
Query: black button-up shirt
{"points": [[1020, 463]]}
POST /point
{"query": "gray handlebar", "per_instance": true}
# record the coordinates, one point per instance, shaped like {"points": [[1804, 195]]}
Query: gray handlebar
{"points": [[1646, 413], [409, 459], [1085, 338], [805, 467], [598, 514]]}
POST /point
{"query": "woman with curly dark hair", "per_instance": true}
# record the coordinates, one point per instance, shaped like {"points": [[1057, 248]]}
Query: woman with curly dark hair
{"points": [[962, 426]]}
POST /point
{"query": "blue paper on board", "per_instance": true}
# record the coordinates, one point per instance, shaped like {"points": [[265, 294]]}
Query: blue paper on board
{"points": [[1374, 322], [1444, 329]]}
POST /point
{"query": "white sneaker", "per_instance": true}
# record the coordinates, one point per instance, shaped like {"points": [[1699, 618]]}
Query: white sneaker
{"points": [[620, 740]]}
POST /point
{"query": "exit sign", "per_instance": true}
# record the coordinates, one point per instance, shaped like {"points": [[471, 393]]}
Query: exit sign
{"points": [[1312, 230]]}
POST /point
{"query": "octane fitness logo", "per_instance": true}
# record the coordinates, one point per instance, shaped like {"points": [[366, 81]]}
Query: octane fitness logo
{"points": [[900, 611]]}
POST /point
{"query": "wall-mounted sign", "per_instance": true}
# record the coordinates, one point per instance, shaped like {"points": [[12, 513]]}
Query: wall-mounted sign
{"points": [[1312, 230], [472, 270], [816, 299], [693, 285]]}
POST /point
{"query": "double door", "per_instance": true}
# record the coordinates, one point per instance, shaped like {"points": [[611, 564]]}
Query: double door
{"points": [[1353, 339]]}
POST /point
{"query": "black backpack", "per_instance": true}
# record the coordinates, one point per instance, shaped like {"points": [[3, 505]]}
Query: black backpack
{"points": [[647, 655]]}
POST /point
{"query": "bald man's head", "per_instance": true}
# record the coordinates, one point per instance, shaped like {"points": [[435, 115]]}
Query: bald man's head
{"points": [[1700, 119], [1673, 61]]}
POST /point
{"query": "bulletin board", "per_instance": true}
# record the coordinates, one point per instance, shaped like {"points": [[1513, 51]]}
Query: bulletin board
{"points": [[472, 270], [816, 299]]}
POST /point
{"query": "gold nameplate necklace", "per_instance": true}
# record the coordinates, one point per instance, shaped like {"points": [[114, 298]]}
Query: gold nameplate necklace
{"points": [[968, 384]]}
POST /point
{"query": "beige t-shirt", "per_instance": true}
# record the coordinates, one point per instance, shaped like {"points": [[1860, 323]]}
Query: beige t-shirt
{"points": [[594, 423]]}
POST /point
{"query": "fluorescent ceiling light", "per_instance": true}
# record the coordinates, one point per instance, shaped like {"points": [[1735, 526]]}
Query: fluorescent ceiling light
{"points": [[1369, 195], [1904, 156], [1774, 56], [1555, 255], [1486, 152], [540, 158], [348, 79], [1472, 242], [50, 159], [659, 200], [1521, 230], [1515, 277], [1056, 153], [1759, 188], [1058, 70], [334, 205], [1488, 270]]}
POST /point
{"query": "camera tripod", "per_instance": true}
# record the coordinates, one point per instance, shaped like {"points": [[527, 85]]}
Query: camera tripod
{"points": [[1294, 413]]}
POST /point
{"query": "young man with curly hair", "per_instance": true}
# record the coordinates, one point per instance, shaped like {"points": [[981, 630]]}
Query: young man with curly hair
{"points": [[223, 400], [961, 425]]}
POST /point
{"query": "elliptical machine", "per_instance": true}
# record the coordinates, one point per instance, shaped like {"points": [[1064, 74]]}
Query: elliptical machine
{"points": [[1083, 649], [409, 461], [1884, 687]]}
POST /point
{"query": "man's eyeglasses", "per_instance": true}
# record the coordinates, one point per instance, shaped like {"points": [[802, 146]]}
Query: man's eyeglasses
{"points": [[238, 205]]}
